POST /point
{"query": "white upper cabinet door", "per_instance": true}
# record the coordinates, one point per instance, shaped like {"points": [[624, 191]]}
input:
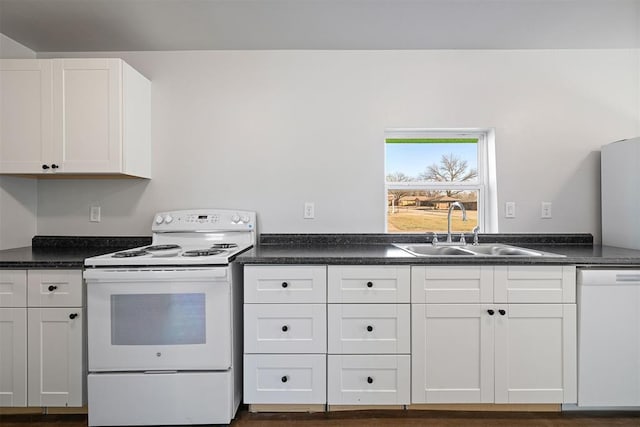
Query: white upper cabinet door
{"points": [[87, 115], [535, 353], [535, 284], [25, 115], [451, 284], [368, 284], [452, 353]]}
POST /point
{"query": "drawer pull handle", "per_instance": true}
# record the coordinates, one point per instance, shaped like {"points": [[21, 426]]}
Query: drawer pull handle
{"points": [[369, 380], [54, 166], [285, 284], [45, 167], [491, 312], [502, 312], [52, 288], [285, 328], [284, 379], [73, 316], [369, 284], [369, 328]]}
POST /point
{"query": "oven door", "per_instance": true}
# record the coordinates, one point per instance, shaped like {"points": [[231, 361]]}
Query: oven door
{"points": [[158, 320]]}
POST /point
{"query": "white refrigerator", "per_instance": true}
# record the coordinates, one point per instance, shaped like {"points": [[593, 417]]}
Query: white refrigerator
{"points": [[620, 181]]}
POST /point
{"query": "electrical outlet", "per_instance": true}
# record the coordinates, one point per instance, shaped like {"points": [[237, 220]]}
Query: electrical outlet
{"points": [[545, 210], [510, 210], [309, 210], [94, 215]]}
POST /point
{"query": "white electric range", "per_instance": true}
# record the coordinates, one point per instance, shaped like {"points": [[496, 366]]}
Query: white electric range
{"points": [[164, 323]]}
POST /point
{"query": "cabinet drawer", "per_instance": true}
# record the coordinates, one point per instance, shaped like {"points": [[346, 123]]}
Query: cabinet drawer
{"points": [[376, 380], [285, 284], [369, 328], [535, 284], [447, 284], [282, 378], [13, 288], [54, 288], [363, 284], [285, 328]]}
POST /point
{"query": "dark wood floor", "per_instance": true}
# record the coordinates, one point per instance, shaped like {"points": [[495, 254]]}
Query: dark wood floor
{"points": [[379, 419]]}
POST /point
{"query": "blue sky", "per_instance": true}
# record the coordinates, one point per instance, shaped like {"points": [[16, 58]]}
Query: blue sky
{"points": [[413, 159]]}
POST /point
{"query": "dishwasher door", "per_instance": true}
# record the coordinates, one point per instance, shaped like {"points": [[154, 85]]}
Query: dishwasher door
{"points": [[608, 337]]}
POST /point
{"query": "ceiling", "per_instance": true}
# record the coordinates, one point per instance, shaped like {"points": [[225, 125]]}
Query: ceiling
{"points": [[151, 25]]}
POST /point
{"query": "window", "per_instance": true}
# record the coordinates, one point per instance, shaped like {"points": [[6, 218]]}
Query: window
{"points": [[428, 170]]}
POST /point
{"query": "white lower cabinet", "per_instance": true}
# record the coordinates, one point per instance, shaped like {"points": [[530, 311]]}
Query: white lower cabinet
{"points": [[368, 379], [42, 358], [13, 357], [395, 335], [55, 356], [285, 378], [497, 352]]}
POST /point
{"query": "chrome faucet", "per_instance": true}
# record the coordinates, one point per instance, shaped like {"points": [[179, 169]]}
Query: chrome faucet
{"points": [[475, 231], [464, 217]]}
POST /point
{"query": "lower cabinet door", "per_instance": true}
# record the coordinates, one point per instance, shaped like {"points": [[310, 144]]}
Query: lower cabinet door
{"points": [[285, 378], [55, 360], [368, 379], [13, 357], [535, 353], [452, 353]]}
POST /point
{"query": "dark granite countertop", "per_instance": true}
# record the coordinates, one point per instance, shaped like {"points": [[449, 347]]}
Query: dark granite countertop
{"points": [[377, 249], [65, 251]]}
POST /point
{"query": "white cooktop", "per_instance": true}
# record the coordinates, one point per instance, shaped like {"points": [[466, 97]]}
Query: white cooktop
{"points": [[195, 237]]}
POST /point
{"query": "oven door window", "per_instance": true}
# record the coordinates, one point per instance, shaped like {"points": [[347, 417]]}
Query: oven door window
{"points": [[158, 319]]}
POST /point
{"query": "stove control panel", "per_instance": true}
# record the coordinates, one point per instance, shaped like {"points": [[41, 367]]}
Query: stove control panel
{"points": [[204, 220]]}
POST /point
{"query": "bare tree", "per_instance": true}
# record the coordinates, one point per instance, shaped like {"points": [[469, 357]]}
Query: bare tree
{"points": [[450, 169], [397, 194]]}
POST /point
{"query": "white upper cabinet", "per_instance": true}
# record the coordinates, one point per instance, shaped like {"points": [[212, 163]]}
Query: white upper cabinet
{"points": [[25, 115], [74, 116]]}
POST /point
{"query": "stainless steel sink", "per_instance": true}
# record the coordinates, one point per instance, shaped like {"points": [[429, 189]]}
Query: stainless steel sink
{"points": [[427, 249], [483, 250]]}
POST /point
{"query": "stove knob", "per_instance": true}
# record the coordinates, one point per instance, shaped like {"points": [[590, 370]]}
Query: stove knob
{"points": [[159, 219], [245, 219], [168, 219], [235, 219]]}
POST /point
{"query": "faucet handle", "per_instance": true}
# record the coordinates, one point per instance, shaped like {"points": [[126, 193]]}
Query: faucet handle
{"points": [[434, 239], [463, 241], [475, 231]]}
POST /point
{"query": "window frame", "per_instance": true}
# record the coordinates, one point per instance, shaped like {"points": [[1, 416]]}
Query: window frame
{"points": [[485, 184]]}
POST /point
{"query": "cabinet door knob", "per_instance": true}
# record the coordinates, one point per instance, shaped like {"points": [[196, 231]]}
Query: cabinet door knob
{"points": [[369, 380], [54, 166], [285, 284], [284, 379], [369, 328], [502, 312], [285, 328], [491, 312], [73, 316], [52, 288], [45, 167], [369, 284]]}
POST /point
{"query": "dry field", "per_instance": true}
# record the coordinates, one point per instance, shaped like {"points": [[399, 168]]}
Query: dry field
{"points": [[410, 219]]}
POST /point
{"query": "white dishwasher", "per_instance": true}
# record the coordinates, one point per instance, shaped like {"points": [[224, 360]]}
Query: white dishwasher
{"points": [[608, 338]]}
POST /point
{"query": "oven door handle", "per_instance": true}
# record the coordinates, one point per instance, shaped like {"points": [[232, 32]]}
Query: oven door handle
{"points": [[109, 275]]}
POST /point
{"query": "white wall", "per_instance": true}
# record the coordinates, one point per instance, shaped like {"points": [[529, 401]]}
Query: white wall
{"points": [[18, 196], [269, 130]]}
